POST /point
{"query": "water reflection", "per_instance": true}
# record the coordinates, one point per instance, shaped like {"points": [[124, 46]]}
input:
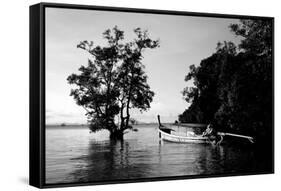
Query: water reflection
{"points": [[111, 160], [77, 156]]}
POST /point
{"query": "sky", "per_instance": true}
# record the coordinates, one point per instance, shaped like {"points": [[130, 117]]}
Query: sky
{"points": [[184, 40]]}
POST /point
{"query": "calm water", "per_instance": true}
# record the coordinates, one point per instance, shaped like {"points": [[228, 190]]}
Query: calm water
{"points": [[75, 155]]}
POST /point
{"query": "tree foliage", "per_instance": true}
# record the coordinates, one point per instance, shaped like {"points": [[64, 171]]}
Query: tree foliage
{"points": [[233, 87], [114, 81]]}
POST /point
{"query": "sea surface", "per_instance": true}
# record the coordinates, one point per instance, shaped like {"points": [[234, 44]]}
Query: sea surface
{"points": [[73, 154]]}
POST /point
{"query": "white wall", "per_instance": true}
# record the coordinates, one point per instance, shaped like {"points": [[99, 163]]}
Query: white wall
{"points": [[14, 86]]}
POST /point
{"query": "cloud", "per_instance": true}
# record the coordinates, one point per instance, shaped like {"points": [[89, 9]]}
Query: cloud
{"points": [[62, 108], [183, 41]]}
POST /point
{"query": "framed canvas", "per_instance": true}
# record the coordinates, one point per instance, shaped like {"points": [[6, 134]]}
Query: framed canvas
{"points": [[128, 95]]}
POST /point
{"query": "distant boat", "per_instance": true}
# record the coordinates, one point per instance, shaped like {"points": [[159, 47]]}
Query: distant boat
{"points": [[190, 137], [63, 124]]}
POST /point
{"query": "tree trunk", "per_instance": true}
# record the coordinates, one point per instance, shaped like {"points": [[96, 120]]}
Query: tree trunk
{"points": [[117, 135], [128, 107], [122, 123]]}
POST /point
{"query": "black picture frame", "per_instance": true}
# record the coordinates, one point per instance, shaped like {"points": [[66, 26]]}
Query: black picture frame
{"points": [[37, 91]]}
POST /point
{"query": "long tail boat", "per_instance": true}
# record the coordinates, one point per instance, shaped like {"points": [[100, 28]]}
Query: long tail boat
{"points": [[167, 134]]}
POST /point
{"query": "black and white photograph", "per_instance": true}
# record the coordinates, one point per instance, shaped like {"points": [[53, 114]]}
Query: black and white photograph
{"points": [[138, 96]]}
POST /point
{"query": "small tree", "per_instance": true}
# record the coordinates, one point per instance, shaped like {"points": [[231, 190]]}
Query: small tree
{"points": [[114, 81]]}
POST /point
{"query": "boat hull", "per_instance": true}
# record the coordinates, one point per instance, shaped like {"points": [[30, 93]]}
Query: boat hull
{"points": [[182, 139]]}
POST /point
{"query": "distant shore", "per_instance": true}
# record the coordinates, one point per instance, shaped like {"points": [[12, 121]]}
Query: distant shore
{"points": [[65, 125], [86, 125]]}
